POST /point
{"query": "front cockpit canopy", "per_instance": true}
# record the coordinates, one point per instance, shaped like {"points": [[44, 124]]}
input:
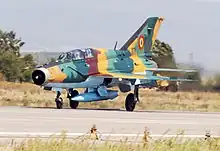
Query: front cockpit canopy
{"points": [[76, 54]]}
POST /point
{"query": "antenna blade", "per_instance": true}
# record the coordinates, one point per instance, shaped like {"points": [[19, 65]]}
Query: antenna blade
{"points": [[115, 45]]}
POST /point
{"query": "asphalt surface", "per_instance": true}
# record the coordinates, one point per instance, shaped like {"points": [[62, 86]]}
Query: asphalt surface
{"points": [[21, 120]]}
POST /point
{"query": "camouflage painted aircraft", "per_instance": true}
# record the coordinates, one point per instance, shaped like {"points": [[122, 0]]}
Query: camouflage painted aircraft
{"points": [[99, 69]]}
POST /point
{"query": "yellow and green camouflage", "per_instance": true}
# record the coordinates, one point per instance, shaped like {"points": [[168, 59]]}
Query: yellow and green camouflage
{"points": [[97, 69]]}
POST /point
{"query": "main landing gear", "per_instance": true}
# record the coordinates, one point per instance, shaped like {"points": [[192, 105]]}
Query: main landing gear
{"points": [[132, 99], [71, 93]]}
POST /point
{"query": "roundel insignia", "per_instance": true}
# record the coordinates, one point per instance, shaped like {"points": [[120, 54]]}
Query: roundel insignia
{"points": [[141, 42]]}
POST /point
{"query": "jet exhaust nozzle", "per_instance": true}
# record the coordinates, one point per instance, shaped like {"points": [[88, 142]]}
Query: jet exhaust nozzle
{"points": [[40, 76]]}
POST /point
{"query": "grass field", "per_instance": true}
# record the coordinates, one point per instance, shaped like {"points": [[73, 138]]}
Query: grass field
{"points": [[27, 94], [53, 144]]}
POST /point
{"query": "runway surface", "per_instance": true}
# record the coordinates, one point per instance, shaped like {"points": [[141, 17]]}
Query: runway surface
{"points": [[17, 120]]}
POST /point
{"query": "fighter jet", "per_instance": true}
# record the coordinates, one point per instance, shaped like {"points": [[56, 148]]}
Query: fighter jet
{"points": [[98, 70]]}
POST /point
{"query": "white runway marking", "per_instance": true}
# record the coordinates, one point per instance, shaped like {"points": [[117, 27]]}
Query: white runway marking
{"points": [[48, 134]]}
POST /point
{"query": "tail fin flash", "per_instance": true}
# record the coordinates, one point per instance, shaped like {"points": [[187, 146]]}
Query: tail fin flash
{"points": [[143, 39]]}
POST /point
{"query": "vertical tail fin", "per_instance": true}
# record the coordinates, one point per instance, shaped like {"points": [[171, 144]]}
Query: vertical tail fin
{"points": [[143, 39]]}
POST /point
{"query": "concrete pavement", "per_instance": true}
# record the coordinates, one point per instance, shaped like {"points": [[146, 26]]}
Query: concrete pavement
{"points": [[19, 121]]}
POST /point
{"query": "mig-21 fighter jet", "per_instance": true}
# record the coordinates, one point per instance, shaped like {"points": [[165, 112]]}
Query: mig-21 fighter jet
{"points": [[100, 69]]}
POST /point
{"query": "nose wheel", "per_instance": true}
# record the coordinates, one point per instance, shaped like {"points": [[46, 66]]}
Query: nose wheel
{"points": [[59, 101]]}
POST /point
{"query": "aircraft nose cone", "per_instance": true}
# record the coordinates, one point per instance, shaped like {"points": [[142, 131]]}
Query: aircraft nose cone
{"points": [[40, 76]]}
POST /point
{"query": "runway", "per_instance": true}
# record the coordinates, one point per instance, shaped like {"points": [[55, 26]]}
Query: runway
{"points": [[19, 121]]}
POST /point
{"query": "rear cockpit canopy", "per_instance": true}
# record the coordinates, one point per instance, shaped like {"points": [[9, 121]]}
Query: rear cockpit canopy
{"points": [[76, 54]]}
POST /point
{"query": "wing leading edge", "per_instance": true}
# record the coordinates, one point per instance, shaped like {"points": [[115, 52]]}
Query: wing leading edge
{"points": [[169, 70], [140, 76]]}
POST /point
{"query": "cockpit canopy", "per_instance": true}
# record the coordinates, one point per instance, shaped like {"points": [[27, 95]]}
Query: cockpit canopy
{"points": [[76, 54]]}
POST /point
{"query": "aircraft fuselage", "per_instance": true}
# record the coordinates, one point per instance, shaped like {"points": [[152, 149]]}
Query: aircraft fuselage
{"points": [[74, 69]]}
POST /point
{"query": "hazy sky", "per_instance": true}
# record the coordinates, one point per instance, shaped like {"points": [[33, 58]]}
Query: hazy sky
{"points": [[190, 26]]}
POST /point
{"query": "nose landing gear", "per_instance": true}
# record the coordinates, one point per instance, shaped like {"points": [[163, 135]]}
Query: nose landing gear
{"points": [[59, 100], [71, 93]]}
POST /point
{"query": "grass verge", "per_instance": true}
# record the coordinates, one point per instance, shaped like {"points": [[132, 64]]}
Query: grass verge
{"points": [[27, 94], [54, 144]]}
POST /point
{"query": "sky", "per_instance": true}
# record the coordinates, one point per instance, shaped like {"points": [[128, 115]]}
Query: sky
{"points": [[190, 26]]}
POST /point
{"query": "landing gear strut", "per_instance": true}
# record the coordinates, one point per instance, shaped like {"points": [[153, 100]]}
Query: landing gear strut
{"points": [[73, 104], [59, 100], [70, 94], [132, 99]]}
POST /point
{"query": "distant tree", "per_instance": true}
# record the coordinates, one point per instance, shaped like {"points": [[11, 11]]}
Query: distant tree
{"points": [[163, 55], [52, 59], [216, 79], [12, 65], [9, 66], [26, 65], [9, 42]]}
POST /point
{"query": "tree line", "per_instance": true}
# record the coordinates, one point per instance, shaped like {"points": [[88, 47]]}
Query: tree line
{"points": [[13, 66]]}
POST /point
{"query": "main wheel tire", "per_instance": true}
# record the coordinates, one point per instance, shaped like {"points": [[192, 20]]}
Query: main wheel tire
{"points": [[59, 103], [130, 102], [73, 104]]}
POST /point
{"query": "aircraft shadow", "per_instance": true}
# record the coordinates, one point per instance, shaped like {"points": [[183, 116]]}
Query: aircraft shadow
{"points": [[91, 109], [111, 109]]}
